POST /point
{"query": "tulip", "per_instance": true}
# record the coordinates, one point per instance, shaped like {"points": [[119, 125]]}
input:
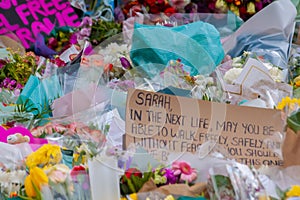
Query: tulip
{"points": [[125, 63], [37, 178]]}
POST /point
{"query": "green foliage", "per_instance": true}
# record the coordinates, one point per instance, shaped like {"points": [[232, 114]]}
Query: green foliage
{"points": [[19, 67], [134, 183], [102, 30]]}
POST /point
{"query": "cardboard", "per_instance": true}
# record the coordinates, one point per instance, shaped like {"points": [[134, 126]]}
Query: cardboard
{"points": [[28, 18], [174, 189], [162, 123], [291, 150]]}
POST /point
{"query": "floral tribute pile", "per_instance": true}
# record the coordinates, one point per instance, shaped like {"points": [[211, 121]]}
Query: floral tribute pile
{"points": [[47, 94]]}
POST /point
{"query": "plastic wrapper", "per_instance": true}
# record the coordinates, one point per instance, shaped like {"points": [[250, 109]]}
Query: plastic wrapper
{"points": [[98, 9], [151, 55], [226, 24], [68, 74], [279, 178], [38, 94], [242, 83], [10, 40], [269, 30], [13, 119]]}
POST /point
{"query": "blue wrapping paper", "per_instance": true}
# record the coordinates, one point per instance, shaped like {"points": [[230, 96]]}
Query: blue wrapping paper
{"points": [[197, 45], [268, 33], [40, 93]]}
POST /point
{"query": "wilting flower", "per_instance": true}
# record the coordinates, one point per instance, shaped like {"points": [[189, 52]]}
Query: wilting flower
{"points": [[184, 171]]}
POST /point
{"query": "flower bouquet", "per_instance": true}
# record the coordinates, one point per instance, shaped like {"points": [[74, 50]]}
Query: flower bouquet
{"points": [[135, 181]]}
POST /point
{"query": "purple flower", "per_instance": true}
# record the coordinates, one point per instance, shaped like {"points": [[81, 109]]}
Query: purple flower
{"points": [[259, 5], [119, 15], [86, 21], [6, 82], [125, 63], [169, 174], [88, 50], [19, 86], [73, 39], [13, 82], [85, 32]]}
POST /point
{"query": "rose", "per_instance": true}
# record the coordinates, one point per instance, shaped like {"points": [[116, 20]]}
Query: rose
{"points": [[133, 172]]}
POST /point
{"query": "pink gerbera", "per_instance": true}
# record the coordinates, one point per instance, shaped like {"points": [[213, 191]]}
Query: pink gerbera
{"points": [[184, 171]]}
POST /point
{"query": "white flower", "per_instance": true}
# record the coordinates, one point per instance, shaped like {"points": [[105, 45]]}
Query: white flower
{"points": [[232, 74], [237, 62], [276, 74], [204, 80], [113, 52]]}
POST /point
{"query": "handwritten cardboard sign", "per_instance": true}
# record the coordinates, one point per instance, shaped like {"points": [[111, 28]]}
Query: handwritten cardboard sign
{"points": [[163, 123], [28, 18]]}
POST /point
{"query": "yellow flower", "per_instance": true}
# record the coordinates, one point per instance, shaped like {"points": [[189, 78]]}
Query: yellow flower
{"points": [[133, 196], [46, 155], [29, 189], [169, 197], [289, 103], [221, 5], [36, 177], [234, 9], [251, 8], [297, 79], [294, 191]]}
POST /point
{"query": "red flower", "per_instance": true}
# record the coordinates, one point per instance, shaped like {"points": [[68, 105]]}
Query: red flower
{"points": [[59, 62], [243, 11], [77, 170], [133, 172], [169, 11], [150, 3]]}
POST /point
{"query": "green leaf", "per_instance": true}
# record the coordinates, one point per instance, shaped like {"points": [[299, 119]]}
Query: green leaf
{"points": [[124, 189], [293, 121], [130, 185]]}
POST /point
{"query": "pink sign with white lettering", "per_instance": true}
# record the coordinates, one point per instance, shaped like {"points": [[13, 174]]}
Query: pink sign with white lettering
{"points": [[28, 18]]}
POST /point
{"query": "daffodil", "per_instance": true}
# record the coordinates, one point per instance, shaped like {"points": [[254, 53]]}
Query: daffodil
{"points": [[35, 181], [294, 191], [289, 103]]}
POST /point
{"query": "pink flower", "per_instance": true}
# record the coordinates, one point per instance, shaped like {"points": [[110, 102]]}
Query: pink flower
{"points": [[184, 171], [86, 21]]}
